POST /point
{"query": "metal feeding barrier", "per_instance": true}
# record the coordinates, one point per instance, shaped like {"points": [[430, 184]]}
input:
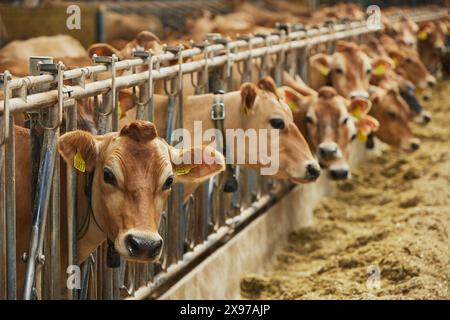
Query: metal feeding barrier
{"points": [[191, 230]]}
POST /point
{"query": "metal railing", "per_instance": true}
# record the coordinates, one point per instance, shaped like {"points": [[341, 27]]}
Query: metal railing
{"points": [[190, 231]]}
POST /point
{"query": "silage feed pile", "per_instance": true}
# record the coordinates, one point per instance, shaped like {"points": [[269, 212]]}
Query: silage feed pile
{"points": [[384, 235]]}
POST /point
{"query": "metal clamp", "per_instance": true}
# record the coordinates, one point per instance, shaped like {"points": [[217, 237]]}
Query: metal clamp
{"points": [[284, 26], [110, 62], [56, 69], [247, 62], [177, 51], [218, 108], [147, 57], [204, 46]]}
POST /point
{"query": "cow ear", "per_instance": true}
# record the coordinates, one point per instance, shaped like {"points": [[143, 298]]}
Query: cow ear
{"points": [[248, 96], [381, 65], [359, 107], [396, 56], [293, 99], [321, 63], [268, 84], [79, 149], [377, 95], [103, 49], [367, 125], [147, 39], [126, 102], [196, 164], [424, 31]]}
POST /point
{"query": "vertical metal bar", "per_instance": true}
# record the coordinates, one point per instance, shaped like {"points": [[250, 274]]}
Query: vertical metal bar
{"points": [[113, 96], [71, 205], [40, 210], [107, 293], [2, 228], [45, 178], [52, 278], [10, 192]]}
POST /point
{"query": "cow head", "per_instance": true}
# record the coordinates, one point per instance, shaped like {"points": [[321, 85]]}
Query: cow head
{"points": [[409, 65], [433, 35], [263, 107], [348, 70], [406, 30], [133, 172], [328, 129], [392, 113]]}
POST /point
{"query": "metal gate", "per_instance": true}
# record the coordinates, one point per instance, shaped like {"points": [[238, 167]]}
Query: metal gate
{"points": [[190, 230]]}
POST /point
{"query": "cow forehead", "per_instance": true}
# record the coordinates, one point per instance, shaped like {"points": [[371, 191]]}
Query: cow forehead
{"points": [[136, 162], [274, 105], [351, 59], [333, 108]]}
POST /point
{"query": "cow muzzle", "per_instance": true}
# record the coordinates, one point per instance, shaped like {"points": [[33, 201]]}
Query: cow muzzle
{"points": [[423, 118], [411, 145], [329, 151], [141, 246], [310, 173], [339, 172], [359, 94]]}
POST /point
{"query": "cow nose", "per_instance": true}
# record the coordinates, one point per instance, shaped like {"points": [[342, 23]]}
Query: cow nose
{"points": [[426, 97], [426, 118], [359, 94], [312, 171], [328, 151], [415, 146], [339, 173], [143, 248]]}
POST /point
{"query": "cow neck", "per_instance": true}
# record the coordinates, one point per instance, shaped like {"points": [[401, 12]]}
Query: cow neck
{"points": [[90, 235], [218, 118], [329, 80], [198, 108]]}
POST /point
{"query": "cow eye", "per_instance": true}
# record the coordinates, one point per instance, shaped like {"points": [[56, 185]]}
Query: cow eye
{"points": [[392, 114], [309, 119], [408, 60], [277, 123], [339, 70], [344, 122], [168, 183], [109, 177]]}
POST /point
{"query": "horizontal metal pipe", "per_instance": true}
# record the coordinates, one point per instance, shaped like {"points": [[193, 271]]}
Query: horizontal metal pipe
{"points": [[31, 81], [50, 97]]}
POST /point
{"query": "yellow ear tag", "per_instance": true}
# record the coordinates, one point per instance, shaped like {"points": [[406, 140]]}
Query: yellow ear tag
{"points": [[361, 136], [293, 106], [244, 109], [324, 70], [422, 35], [79, 163], [357, 112], [119, 110], [182, 170], [394, 61], [380, 70]]}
